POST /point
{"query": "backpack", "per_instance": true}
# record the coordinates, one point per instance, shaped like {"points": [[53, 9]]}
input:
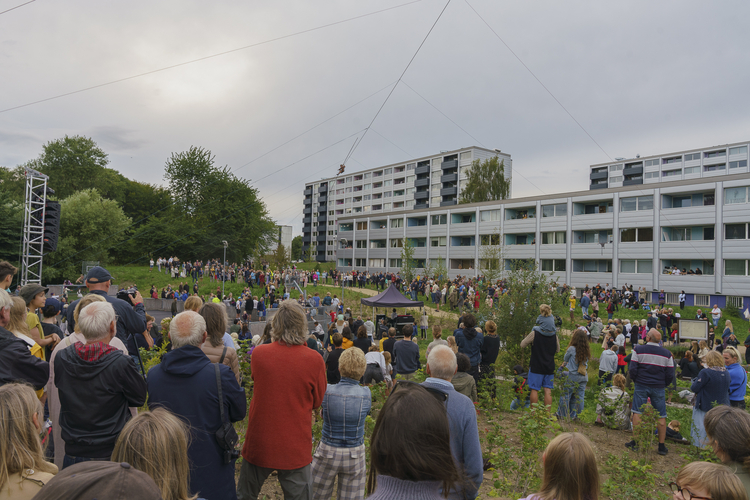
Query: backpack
{"points": [[558, 321]]}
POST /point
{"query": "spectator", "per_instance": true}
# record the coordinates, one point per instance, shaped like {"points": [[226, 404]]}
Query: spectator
{"points": [[193, 303], [290, 382], [452, 343], [738, 377], [23, 469], [650, 379], [406, 354], [215, 316], [332, 363], [186, 380], [131, 316], [108, 480], [462, 418], [96, 385], [542, 364], [34, 296], [728, 431], [462, 381], [53, 395], [50, 328], [715, 315], [387, 344], [576, 362], [437, 334], [410, 447], [19, 327], [370, 326], [688, 366], [376, 366], [608, 365], [520, 383], [705, 480], [489, 351], [362, 342], [613, 408], [728, 330], [570, 469], [347, 340], [7, 271], [156, 442], [711, 388], [341, 451], [469, 342]]}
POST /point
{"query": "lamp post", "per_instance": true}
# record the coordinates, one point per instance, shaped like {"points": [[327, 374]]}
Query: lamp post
{"points": [[224, 269], [344, 242]]}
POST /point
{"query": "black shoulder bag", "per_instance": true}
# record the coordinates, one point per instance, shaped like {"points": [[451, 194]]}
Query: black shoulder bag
{"points": [[226, 436]]}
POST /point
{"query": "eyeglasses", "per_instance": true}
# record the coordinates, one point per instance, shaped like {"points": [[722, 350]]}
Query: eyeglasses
{"points": [[685, 493], [439, 395]]}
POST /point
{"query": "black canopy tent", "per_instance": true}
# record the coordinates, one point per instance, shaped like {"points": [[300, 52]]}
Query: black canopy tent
{"points": [[391, 297]]}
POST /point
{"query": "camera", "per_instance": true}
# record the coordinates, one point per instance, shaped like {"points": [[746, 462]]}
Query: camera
{"points": [[126, 293]]}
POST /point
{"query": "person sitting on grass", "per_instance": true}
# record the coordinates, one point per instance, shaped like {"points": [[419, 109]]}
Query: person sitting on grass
{"points": [[613, 408], [520, 383]]}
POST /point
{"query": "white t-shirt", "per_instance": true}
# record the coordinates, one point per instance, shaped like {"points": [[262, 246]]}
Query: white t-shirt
{"points": [[716, 313]]}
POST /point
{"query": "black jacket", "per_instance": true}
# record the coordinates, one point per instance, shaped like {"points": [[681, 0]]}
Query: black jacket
{"points": [[129, 320], [17, 363], [94, 400], [490, 349]]}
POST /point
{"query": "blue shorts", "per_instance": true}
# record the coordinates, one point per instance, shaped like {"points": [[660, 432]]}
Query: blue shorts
{"points": [[641, 395], [537, 381]]}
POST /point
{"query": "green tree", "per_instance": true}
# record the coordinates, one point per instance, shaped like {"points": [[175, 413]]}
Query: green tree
{"points": [[84, 218], [310, 253], [297, 248], [11, 230], [441, 271], [486, 182], [491, 261], [280, 257], [407, 261]]}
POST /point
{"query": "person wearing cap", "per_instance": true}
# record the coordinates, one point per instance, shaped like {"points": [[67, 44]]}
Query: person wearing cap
{"points": [[35, 296], [110, 480], [96, 383], [131, 317], [50, 328], [16, 361]]}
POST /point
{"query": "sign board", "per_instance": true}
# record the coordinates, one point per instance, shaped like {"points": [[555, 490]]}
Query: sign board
{"points": [[692, 329]]}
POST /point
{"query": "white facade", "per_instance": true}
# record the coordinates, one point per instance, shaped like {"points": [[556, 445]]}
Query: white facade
{"points": [[427, 182], [283, 236], [610, 235]]}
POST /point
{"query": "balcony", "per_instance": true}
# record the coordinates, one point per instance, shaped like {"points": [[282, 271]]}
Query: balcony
{"points": [[308, 191], [599, 185], [449, 191], [595, 176], [421, 195], [306, 238], [449, 178], [307, 210], [634, 170], [447, 165], [307, 220], [308, 201], [321, 238], [323, 188], [633, 182], [422, 169], [447, 203], [322, 198], [322, 218], [422, 182], [420, 206]]}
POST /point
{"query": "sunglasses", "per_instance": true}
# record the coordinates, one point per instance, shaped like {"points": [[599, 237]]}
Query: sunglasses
{"points": [[439, 395]]}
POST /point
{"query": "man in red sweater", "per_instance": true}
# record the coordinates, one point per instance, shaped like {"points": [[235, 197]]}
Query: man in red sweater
{"points": [[290, 382]]}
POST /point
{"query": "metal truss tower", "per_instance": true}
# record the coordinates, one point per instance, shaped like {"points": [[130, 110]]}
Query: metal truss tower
{"points": [[33, 227]]}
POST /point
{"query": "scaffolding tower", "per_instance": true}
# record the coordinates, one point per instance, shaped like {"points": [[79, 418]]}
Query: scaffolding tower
{"points": [[33, 227]]}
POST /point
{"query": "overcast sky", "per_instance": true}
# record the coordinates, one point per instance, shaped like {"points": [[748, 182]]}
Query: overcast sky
{"points": [[642, 77]]}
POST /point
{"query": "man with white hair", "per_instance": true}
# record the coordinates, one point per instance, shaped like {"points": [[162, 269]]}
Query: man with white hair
{"points": [[96, 383], [467, 452], [187, 384], [16, 361]]}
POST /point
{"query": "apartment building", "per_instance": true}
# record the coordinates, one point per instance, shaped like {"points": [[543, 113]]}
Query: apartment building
{"points": [[704, 163], [420, 183], [618, 235]]}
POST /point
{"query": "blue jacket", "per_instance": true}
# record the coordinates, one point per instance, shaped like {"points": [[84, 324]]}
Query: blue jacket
{"points": [[651, 365], [406, 354], [470, 343], [344, 409], [585, 301], [465, 446], [711, 387], [185, 384], [737, 383]]}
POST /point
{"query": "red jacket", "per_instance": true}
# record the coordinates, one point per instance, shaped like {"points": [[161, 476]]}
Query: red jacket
{"points": [[290, 381]]}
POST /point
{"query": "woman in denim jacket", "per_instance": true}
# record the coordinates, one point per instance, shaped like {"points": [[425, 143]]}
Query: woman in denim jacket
{"points": [[341, 451]]}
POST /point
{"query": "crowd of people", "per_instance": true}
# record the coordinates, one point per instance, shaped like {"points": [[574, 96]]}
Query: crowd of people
{"points": [[170, 434]]}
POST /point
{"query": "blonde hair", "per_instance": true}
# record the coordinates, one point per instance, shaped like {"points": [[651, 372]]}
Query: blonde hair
{"points": [[719, 480], [732, 351], [491, 327], [570, 471], [216, 322], [713, 358], [702, 344], [193, 303], [386, 355], [289, 325], [619, 381], [86, 300], [728, 324], [437, 332], [18, 312], [20, 446], [545, 310], [156, 442], [352, 364]]}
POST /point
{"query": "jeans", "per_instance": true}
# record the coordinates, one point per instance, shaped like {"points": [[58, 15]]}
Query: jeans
{"points": [[517, 403], [585, 310], [572, 398], [716, 321], [641, 395], [609, 315]]}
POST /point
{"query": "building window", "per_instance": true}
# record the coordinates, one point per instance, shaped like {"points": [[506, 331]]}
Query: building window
{"points": [[694, 156], [614, 168], [735, 267], [735, 301], [592, 265], [395, 263], [674, 159], [740, 150], [735, 231], [360, 262], [633, 234], [671, 173], [601, 237], [649, 163], [377, 262], [691, 170], [439, 241], [552, 265], [694, 266], [489, 239], [687, 233], [738, 164], [701, 300], [636, 266], [617, 178], [636, 203], [714, 154], [361, 244], [560, 210], [463, 218], [489, 215], [735, 195], [687, 200], [714, 168], [553, 238], [397, 242], [651, 175]]}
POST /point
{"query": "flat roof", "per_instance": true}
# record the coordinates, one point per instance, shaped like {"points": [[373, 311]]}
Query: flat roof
{"points": [[694, 150]]}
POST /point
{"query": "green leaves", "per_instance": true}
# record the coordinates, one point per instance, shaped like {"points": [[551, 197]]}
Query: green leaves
{"points": [[486, 182]]}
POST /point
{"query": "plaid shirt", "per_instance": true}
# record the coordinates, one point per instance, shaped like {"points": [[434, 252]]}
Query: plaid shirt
{"points": [[92, 352]]}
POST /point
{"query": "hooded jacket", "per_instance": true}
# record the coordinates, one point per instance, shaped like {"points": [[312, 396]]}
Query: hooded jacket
{"points": [[17, 363], [185, 384], [470, 342], [94, 400]]}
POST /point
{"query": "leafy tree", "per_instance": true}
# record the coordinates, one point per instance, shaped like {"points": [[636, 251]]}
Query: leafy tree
{"points": [[11, 230], [486, 182], [441, 271], [310, 253], [407, 261], [280, 257], [84, 218], [517, 310], [12, 184], [297, 248], [491, 261]]}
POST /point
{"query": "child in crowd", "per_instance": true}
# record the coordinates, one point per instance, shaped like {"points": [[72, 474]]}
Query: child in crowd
{"points": [[462, 381], [620, 338], [673, 430], [570, 470], [520, 382], [388, 370], [707, 480], [621, 364], [545, 323]]}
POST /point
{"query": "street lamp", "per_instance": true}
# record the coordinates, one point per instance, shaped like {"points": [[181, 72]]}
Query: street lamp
{"points": [[224, 269], [344, 242]]}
